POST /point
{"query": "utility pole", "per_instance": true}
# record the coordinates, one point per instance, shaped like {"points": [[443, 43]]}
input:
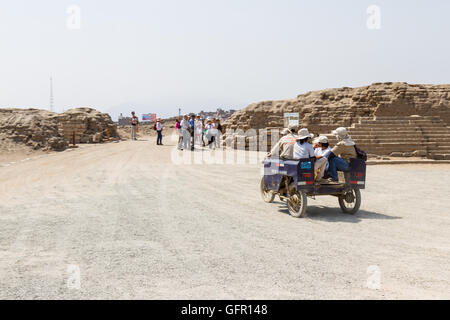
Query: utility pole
{"points": [[179, 112], [51, 94]]}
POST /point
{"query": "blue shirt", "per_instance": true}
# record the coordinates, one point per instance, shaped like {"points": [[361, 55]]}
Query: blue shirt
{"points": [[192, 122]]}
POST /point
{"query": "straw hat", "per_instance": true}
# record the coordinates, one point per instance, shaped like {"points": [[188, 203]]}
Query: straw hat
{"points": [[340, 133], [303, 134]]}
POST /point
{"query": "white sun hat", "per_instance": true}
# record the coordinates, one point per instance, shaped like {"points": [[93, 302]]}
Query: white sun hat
{"points": [[340, 133], [303, 134]]}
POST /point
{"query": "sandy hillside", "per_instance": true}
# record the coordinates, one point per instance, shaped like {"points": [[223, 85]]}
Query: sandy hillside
{"points": [[37, 129]]}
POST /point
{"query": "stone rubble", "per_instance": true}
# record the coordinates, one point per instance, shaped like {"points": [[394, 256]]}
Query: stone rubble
{"points": [[45, 130], [323, 111]]}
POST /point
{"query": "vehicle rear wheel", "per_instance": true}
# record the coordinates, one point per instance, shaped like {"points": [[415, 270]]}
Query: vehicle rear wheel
{"points": [[351, 201], [297, 204], [266, 195]]}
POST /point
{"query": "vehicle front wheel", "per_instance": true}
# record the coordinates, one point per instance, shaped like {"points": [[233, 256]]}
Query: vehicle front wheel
{"points": [[351, 201], [297, 204], [266, 195]]}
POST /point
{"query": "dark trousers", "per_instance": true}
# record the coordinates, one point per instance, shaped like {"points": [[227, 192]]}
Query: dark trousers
{"points": [[336, 164], [159, 139], [211, 141]]}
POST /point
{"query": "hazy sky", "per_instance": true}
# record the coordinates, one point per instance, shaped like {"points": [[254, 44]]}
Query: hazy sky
{"points": [[156, 56]]}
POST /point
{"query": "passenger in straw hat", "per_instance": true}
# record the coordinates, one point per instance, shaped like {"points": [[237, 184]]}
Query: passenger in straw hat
{"points": [[185, 143], [343, 151], [284, 148], [304, 150]]}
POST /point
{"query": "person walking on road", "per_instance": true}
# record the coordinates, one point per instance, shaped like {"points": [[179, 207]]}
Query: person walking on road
{"points": [[134, 121], [198, 130], [178, 130], [210, 133], [192, 130], [159, 129], [203, 131], [217, 138], [186, 135]]}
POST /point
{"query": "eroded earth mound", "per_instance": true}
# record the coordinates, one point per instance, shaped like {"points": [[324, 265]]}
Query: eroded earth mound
{"points": [[45, 130], [327, 109]]}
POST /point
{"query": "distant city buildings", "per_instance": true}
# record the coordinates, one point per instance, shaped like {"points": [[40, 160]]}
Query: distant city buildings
{"points": [[123, 121], [218, 114]]}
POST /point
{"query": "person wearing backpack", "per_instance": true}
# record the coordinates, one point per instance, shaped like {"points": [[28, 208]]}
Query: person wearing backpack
{"points": [[343, 151]]}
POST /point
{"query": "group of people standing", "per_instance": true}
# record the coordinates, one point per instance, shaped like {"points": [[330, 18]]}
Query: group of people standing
{"points": [[328, 161], [194, 130]]}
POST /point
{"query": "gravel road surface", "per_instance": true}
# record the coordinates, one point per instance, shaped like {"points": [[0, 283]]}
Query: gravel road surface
{"points": [[122, 220]]}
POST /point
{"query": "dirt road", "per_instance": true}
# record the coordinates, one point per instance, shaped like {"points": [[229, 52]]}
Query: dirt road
{"points": [[123, 221]]}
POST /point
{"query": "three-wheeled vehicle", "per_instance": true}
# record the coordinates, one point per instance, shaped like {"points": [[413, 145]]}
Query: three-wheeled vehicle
{"points": [[293, 181]]}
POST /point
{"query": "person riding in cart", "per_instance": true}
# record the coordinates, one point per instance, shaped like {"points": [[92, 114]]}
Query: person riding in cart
{"points": [[284, 148], [341, 153], [304, 150]]}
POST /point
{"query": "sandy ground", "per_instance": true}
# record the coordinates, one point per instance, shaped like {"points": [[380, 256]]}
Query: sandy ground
{"points": [[136, 225], [13, 152]]}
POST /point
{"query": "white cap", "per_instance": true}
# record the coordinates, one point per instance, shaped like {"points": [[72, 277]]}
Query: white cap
{"points": [[322, 139]]}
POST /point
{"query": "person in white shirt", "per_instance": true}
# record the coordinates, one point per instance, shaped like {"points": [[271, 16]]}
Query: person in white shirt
{"points": [[186, 135], [304, 150], [322, 152], [322, 147], [198, 130], [211, 133]]}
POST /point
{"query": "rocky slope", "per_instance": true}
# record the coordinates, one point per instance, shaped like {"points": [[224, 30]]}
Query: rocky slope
{"points": [[41, 129], [324, 110]]}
